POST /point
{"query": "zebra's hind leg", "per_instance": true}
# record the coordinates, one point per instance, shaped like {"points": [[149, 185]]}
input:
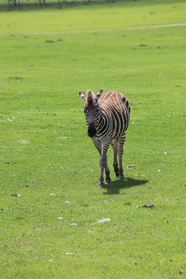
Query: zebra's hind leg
{"points": [[114, 144]]}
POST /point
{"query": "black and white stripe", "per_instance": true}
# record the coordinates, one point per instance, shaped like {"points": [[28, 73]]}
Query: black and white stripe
{"points": [[107, 117]]}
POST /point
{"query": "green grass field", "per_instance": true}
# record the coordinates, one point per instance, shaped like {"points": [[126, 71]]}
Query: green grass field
{"points": [[50, 204]]}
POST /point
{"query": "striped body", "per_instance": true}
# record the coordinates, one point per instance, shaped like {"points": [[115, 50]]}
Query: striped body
{"points": [[107, 118], [115, 115]]}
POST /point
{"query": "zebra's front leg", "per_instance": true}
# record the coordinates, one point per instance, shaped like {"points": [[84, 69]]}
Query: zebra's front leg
{"points": [[121, 141], [114, 144], [104, 166], [101, 178], [121, 172], [107, 172]]}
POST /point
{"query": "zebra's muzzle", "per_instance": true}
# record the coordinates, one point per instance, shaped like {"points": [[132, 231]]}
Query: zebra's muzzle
{"points": [[91, 130]]}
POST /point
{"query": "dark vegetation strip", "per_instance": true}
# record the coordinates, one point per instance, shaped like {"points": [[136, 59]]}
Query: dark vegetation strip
{"points": [[41, 4]]}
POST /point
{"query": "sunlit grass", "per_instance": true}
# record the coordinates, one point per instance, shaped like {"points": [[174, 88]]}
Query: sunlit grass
{"points": [[50, 202], [93, 17]]}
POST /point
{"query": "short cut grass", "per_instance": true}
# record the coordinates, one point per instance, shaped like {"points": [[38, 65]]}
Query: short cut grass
{"points": [[55, 221]]}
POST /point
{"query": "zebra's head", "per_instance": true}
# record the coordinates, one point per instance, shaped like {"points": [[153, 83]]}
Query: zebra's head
{"points": [[91, 110]]}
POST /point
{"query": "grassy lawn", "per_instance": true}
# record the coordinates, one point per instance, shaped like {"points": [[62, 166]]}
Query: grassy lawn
{"points": [[55, 221]]}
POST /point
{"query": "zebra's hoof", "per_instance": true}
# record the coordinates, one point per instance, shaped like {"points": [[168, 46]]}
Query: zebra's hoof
{"points": [[108, 180], [101, 185], [116, 172]]}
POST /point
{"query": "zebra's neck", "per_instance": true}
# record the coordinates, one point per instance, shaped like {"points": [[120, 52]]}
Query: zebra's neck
{"points": [[101, 125]]}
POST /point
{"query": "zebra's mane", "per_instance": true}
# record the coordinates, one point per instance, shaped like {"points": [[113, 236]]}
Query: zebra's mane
{"points": [[90, 97]]}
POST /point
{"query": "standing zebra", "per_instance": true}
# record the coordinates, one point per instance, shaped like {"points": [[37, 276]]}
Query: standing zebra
{"points": [[107, 117]]}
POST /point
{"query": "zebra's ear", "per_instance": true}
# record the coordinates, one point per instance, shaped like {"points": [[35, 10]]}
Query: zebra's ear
{"points": [[82, 95], [99, 94]]}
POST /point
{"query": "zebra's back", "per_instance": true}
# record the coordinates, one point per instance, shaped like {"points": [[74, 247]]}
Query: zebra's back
{"points": [[116, 106], [114, 99]]}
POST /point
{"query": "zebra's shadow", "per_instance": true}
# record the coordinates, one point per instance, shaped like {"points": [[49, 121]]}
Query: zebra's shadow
{"points": [[114, 187]]}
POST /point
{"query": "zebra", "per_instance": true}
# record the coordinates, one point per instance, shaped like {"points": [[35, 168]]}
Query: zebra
{"points": [[107, 117]]}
